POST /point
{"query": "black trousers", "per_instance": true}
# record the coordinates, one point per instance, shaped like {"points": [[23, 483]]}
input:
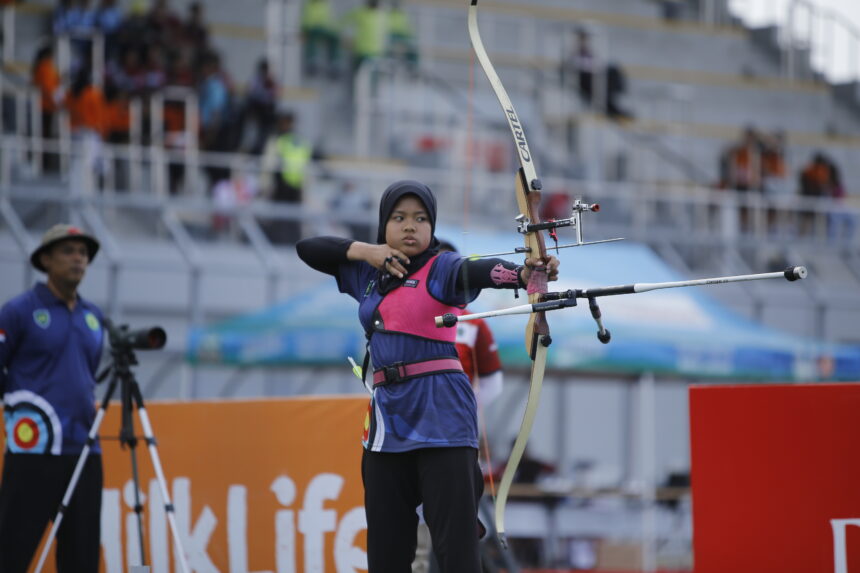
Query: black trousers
{"points": [[31, 490], [449, 483]]}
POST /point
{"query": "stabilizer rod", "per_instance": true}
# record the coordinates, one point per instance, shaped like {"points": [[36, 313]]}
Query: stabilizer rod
{"points": [[566, 299]]}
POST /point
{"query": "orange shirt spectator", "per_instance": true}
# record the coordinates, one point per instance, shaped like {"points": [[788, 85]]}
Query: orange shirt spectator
{"points": [[773, 155], [745, 168], [773, 164], [46, 78], [816, 178], [87, 110], [117, 117], [174, 117]]}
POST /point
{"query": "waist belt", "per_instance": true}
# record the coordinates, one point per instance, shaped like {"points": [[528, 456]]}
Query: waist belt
{"points": [[399, 371]]}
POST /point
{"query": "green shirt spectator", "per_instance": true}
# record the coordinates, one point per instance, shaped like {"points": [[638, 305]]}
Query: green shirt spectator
{"points": [[401, 37], [320, 34], [370, 32], [399, 25], [317, 15]]}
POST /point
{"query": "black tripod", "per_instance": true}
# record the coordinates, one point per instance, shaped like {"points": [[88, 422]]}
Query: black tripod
{"points": [[123, 344]]}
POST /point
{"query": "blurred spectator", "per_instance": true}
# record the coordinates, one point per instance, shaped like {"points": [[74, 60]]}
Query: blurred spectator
{"points": [[583, 64], [320, 34], [134, 32], [164, 25], [75, 19], [773, 171], [816, 180], [108, 17], [401, 37], [821, 178], [214, 101], [195, 31], [176, 138], [117, 125], [108, 21], [292, 156], [216, 129], [287, 157], [46, 78], [127, 73], [742, 163], [368, 33], [616, 86], [774, 176], [228, 195], [154, 72], [180, 68], [88, 121], [177, 134], [741, 170], [86, 106], [258, 113]]}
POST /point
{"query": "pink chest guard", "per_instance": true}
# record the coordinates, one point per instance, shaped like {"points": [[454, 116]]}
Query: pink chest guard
{"points": [[409, 309]]}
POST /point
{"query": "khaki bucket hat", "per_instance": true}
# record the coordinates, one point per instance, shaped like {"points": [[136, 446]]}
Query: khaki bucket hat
{"points": [[59, 233]]}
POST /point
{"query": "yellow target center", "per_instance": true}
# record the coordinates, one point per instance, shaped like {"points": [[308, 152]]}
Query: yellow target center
{"points": [[25, 432]]}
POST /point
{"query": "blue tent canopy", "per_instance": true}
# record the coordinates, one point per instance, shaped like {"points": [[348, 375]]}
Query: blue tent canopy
{"points": [[678, 331]]}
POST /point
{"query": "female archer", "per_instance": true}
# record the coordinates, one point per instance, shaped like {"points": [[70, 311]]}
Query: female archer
{"points": [[421, 438]]}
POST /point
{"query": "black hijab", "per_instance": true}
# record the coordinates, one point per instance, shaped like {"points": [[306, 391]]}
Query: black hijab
{"points": [[396, 191]]}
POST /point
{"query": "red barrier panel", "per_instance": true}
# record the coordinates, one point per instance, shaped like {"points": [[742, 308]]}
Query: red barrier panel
{"points": [[776, 478]]}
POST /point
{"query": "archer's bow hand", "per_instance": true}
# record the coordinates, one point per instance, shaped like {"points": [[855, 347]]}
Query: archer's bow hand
{"points": [[550, 267]]}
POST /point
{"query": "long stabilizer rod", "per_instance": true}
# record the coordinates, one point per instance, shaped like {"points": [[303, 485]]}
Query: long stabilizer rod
{"points": [[555, 301], [790, 274]]}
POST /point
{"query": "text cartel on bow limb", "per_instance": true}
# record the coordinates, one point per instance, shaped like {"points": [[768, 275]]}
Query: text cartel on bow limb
{"points": [[537, 332]]}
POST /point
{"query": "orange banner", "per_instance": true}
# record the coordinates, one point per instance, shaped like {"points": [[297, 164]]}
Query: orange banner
{"points": [[258, 486], [775, 478]]}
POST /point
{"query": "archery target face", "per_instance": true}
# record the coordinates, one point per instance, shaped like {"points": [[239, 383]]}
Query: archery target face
{"points": [[32, 426]]}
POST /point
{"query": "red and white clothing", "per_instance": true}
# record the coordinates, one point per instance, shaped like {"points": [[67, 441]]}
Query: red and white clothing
{"points": [[479, 356]]}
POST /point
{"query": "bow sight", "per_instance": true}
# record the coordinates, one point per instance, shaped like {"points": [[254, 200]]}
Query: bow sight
{"points": [[525, 226]]}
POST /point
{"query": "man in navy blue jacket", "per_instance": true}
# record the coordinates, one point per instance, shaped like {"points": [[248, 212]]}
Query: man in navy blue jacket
{"points": [[50, 347]]}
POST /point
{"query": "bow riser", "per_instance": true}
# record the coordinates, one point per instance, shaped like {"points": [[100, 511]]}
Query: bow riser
{"points": [[528, 203]]}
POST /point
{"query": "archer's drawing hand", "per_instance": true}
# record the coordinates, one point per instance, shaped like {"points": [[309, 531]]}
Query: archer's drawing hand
{"points": [[381, 257]]}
